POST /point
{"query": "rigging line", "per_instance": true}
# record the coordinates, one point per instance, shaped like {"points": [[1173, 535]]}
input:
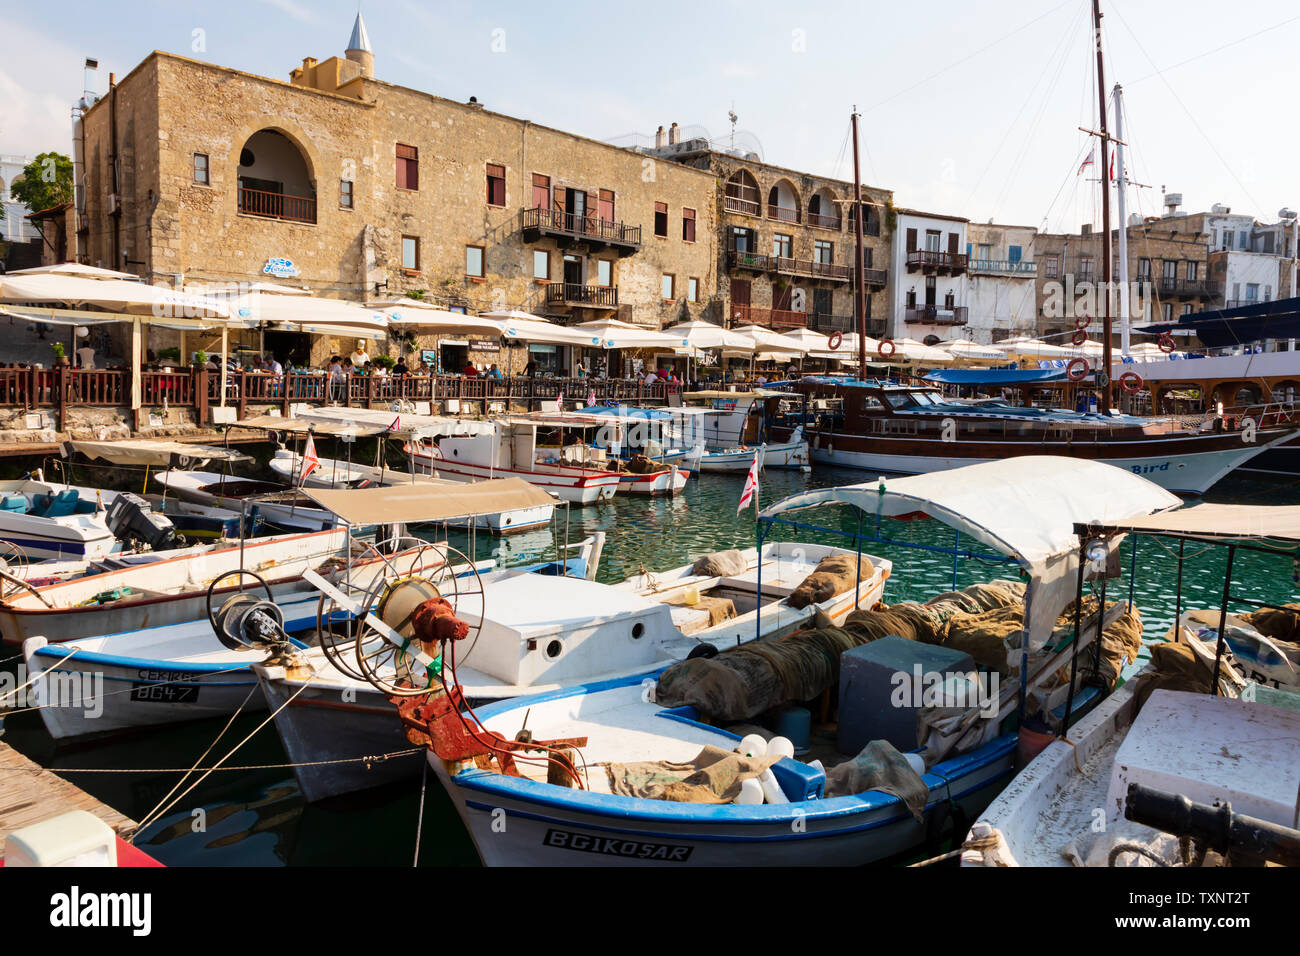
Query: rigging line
{"points": [[1061, 48], [1174, 93], [1218, 49], [1034, 124], [956, 63]]}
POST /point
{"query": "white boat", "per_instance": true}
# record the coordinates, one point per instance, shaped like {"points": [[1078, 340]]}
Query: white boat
{"points": [[543, 633], [333, 473], [48, 520], [171, 590], [480, 457], [277, 504]]}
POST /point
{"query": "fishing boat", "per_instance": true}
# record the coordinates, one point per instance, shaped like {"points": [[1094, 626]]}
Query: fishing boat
{"points": [[538, 632], [1161, 739], [277, 504], [584, 786], [906, 429], [171, 590], [206, 522]]}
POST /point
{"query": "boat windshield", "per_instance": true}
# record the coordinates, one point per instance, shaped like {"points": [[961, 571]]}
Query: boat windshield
{"points": [[900, 400]]}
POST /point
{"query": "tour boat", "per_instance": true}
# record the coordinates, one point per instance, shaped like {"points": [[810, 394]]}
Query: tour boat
{"points": [[513, 455], [901, 429], [279, 505]]}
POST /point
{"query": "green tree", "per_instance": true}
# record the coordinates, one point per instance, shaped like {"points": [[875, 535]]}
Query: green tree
{"points": [[46, 181]]}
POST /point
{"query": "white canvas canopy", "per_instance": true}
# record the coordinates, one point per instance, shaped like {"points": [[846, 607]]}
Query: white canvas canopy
{"points": [[624, 335], [407, 426], [524, 327], [415, 315], [966, 350], [131, 297], [305, 313], [1022, 347], [1024, 507], [76, 269], [699, 335], [771, 343], [153, 451]]}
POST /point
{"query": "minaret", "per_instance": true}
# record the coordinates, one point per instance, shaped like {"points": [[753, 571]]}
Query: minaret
{"points": [[358, 50]]}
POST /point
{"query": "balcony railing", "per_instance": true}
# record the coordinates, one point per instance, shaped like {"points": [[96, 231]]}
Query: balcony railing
{"points": [[824, 222], [820, 322], [927, 261], [748, 207], [875, 277], [774, 319], [782, 213], [935, 315], [258, 202], [592, 296], [743, 259], [811, 268], [1018, 267], [537, 222]]}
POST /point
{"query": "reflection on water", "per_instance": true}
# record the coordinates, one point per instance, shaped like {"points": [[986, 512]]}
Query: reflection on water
{"points": [[256, 816]]}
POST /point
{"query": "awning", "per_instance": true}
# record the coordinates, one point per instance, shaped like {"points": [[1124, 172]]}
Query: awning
{"points": [[1209, 520], [301, 426], [1279, 319], [416, 503], [152, 451], [1025, 507], [399, 425], [994, 376], [153, 304]]}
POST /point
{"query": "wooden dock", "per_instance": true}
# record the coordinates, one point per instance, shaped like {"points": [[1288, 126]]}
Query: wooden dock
{"points": [[29, 794]]}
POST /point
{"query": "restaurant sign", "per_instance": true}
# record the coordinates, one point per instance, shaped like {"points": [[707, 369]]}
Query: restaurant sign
{"points": [[281, 268], [485, 345]]}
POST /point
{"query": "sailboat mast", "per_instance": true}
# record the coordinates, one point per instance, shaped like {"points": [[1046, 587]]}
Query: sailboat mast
{"points": [[859, 299], [1103, 301]]}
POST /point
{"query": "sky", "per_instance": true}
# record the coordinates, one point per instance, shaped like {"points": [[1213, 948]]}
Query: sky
{"points": [[969, 107]]}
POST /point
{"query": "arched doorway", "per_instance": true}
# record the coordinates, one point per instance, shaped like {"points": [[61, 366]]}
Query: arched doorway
{"points": [[275, 178]]}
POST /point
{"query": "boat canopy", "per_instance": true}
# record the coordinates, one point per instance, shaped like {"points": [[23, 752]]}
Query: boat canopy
{"points": [[995, 376], [416, 503], [277, 423], [152, 451], [399, 424], [1210, 520], [1025, 507], [1223, 328]]}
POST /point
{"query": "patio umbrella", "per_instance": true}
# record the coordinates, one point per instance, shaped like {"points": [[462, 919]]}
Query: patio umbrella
{"points": [[76, 269], [624, 335], [966, 350]]}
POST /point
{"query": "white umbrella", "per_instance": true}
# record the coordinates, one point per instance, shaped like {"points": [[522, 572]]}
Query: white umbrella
{"points": [[624, 335], [513, 315], [700, 335], [1023, 347], [972, 351], [912, 351], [76, 269], [771, 343], [416, 316], [114, 295]]}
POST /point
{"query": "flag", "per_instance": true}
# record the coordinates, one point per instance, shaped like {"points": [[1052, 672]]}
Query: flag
{"points": [[559, 400], [751, 486], [1087, 162], [309, 460], [591, 397], [1112, 165], [397, 424]]}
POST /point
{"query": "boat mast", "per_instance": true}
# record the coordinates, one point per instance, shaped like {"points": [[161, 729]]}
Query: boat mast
{"points": [[859, 299], [1102, 376], [1121, 184]]}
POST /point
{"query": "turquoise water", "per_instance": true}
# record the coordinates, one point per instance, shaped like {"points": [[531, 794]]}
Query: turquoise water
{"points": [[256, 816]]}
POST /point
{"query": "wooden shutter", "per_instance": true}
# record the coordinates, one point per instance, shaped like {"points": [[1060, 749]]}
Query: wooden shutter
{"points": [[496, 185], [688, 225], [911, 240], [408, 167], [607, 205], [541, 191], [558, 193], [952, 243]]}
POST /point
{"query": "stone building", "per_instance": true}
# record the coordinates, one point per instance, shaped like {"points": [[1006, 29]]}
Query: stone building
{"points": [[785, 250], [1168, 271], [201, 174], [1001, 295]]}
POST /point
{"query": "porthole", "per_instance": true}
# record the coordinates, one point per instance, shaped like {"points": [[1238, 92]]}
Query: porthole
{"points": [[638, 629], [554, 649]]}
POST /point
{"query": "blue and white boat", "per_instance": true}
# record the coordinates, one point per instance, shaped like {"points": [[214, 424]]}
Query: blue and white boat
{"points": [[47, 520]]}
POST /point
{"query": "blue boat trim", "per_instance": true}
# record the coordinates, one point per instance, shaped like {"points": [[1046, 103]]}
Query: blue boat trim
{"points": [[60, 651]]}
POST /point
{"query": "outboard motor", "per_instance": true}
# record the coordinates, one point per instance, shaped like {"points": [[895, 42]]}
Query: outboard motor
{"points": [[131, 520]]}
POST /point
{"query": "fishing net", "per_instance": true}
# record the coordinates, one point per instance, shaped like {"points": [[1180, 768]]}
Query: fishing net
{"points": [[712, 776], [833, 575], [1275, 624], [1185, 664], [880, 767], [720, 564]]}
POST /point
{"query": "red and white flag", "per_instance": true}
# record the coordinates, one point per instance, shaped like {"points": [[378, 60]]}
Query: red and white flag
{"points": [[591, 398], [1112, 165], [397, 424], [559, 400], [1092, 158], [309, 460], [751, 486]]}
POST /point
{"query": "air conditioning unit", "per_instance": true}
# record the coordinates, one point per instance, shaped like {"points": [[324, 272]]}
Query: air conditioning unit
{"points": [[114, 204]]}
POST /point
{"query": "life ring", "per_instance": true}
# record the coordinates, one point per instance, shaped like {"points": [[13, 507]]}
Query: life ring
{"points": [[886, 348], [1082, 365], [1165, 343], [1080, 336], [835, 340], [1082, 322], [1131, 382]]}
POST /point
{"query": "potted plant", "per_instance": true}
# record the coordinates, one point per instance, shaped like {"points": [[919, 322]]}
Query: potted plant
{"points": [[200, 358], [60, 353], [387, 361]]}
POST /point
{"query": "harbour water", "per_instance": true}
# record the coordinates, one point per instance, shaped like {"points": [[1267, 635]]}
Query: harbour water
{"points": [[254, 815]]}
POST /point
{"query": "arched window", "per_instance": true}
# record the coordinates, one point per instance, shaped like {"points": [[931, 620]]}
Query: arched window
{"points": [[823, 210], [742, 194], [783, 202], [275, 179]]}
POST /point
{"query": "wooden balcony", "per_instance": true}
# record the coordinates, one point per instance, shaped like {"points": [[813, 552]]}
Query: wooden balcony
{"points": [[935, 315], [783, 213], [825, 222], [568, 228], [774, 319], [1011, 267], [258, 202], [875, 278], [941, 263], [811, 269], [746, 207], [749, 261], [572, 294]]}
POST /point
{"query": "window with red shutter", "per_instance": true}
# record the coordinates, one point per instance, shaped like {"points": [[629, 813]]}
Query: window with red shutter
{"points": [[688, 225], [661, 219], [541, 191], [607, 205], [408, 167], [496, 185]]}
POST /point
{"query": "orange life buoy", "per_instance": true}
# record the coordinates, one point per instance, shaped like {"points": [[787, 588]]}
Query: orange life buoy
{"points": [[886, 348], [1077, 363], [1131, 382], [835, 339]]}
